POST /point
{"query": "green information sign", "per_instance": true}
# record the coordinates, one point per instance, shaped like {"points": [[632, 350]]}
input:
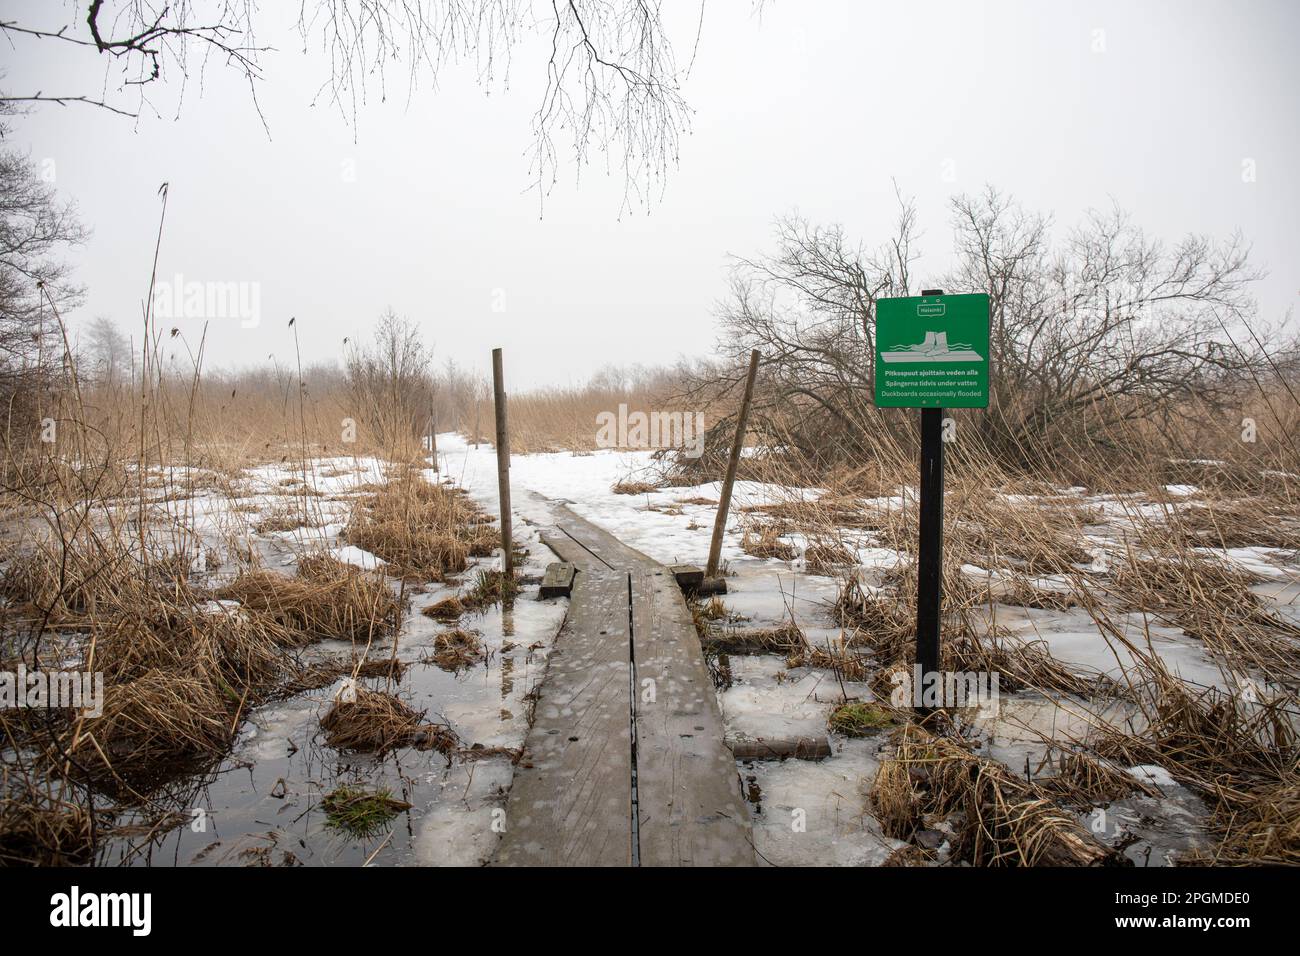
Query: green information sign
{"points": [[932, 351]]}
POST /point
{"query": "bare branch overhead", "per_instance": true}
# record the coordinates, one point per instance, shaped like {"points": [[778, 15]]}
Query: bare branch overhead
{"points": [[611, 84]]}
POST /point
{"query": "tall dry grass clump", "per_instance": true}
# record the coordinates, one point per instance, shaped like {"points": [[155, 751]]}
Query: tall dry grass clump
{"points": [[325, 599], [1206, 596], [38, 828], [179, 672], [1239, 751], [994, 818], [421, 529], [376, 722]]}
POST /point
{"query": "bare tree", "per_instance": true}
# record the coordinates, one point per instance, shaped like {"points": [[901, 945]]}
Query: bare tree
{"points": [[1102, 329], [456, 391], [392, 391], [810, 308], [611, 80], [1110, 327], [35, 228], [107, 351]]}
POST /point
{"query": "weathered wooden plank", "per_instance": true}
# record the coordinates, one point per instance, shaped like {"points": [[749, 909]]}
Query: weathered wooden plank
{"points": [[689, 807], [603, 545], [571, 801], [784, 639], [558, 580], [779, 748], [689, 577], [688, 793], [571, 552]]}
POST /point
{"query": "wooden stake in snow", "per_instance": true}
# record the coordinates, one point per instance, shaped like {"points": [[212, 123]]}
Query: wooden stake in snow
{"points": [[503, 464], [433, 435], [724, 503]]}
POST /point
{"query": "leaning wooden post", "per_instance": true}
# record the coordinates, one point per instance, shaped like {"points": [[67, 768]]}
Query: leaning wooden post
{"points": [[724, 503], [503, 465]]}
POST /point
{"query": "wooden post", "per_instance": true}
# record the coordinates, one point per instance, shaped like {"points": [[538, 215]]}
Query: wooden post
{"points": [[724, 503], [503, 464], [929, 561], [433, 435]]}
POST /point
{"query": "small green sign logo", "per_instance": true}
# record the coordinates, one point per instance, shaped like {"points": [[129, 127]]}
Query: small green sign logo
{"points": [[932, 351]]}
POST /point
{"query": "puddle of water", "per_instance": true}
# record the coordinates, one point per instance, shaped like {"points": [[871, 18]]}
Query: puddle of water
{"points": [[264, 799], [1153, 831], [262, 804]]}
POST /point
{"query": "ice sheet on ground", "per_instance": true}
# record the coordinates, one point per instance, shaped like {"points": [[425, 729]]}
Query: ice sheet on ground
{"points": [[807, 813], [1030, 729], [767, 700], [453, 804], [1073, 637]]}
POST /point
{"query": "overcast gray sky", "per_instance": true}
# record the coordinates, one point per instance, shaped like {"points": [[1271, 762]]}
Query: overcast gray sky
{"points": [[814, 106]]}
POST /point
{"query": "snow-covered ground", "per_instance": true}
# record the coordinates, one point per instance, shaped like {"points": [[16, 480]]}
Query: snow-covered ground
{"points": [[266, 796], [263, 803], [766, 698]]}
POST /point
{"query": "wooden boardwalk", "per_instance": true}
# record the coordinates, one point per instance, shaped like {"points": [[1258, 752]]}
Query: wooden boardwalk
{"points": [[625, 764]]}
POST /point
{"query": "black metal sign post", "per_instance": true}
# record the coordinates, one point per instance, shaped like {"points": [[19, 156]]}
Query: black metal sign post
{"points": [[947, 368], [929, 593], [929, 562]]}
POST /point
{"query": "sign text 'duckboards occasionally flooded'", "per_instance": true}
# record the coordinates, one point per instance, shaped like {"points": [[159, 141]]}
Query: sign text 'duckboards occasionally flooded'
{"points": [[932, 351]]}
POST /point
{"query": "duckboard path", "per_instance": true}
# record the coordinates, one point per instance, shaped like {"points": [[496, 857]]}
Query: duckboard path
{"points": [[625, 763]]}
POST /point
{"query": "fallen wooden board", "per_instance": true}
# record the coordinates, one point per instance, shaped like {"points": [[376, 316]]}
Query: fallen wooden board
{"points": [[779, 748], [558, 581], [689, 577], [747, 641], [571, 801], [690, 809]]}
